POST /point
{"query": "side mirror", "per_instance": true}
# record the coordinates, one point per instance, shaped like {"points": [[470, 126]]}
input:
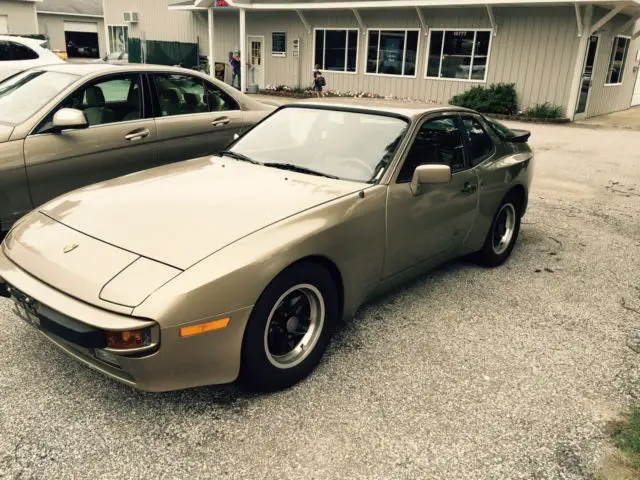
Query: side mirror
{"points": [[69, 118], [429, 175]]}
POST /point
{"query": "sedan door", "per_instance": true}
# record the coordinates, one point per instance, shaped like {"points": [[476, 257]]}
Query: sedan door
{"points": [[435, 222], [120, 139], [194, 117]]}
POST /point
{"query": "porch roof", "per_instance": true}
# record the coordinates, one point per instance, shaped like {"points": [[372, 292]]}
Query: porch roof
{"points": [[629, 7]]}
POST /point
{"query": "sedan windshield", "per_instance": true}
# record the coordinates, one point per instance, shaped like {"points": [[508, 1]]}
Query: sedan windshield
{"points": [[24, 94], [348, 145]]}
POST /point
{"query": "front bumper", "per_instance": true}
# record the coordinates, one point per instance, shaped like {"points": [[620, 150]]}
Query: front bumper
{"points": [[176, 363]]}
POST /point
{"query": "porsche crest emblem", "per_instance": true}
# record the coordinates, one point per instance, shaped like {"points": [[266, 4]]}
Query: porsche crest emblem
{"points": [[70, 247]]}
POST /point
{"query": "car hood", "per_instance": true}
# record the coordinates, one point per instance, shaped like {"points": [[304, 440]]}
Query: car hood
{"points": [[5, 132], [179, 214]]}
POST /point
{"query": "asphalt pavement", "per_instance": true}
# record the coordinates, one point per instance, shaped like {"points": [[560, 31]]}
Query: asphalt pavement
{"points": [[467, 373]]}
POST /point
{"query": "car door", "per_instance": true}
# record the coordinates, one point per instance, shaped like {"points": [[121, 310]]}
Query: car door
{"points": [[434, 222], [194, 117], [120, 139]]}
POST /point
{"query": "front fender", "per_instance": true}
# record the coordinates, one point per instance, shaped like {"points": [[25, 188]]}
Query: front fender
{"points": [[350, 232]]}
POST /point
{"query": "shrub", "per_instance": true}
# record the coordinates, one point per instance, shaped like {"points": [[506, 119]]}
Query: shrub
{"points": [[545, 110], [497, 98]]}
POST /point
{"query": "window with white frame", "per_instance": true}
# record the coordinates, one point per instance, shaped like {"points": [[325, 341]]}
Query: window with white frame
{"points": [[392, 52], [618, 58], [336, 50], [118, 38], [458, 54]]}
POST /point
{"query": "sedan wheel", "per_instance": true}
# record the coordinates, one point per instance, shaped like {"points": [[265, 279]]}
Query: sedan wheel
{"points": [[289, 328], [503, 233]]}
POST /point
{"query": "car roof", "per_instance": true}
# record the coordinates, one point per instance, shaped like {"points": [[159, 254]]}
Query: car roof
{"points": [[406, 109], [91, 68]]}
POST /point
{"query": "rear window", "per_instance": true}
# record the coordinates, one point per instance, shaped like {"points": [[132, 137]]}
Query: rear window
{"points": [[11, 51], [501, 130]]}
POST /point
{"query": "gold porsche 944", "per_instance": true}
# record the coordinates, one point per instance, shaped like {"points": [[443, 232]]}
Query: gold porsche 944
{"points": [[239, 266]]}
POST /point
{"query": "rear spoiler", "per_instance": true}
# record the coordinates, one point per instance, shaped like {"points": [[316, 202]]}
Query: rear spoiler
{"points": [[520, 136]]}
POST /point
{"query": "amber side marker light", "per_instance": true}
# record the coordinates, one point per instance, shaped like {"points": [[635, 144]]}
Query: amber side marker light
{"points": [[204, 327]]}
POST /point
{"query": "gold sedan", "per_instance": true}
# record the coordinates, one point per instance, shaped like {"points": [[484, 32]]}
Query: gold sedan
{"points": [[241, 265]]}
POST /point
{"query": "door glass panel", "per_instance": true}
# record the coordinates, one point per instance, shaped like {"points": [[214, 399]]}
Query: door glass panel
{"points": [[256, 53], [118, 99], [218, 100], [585, 83], [180, 95], [438, 142], [479, 142]]}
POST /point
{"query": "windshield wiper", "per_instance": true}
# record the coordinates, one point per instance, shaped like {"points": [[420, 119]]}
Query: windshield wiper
{"points": [[238, 156], [297, 168]]}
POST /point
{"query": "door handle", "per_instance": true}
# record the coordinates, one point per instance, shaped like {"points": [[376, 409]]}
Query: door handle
{"points": [[137, 135], [469, 187], [221, 122]]}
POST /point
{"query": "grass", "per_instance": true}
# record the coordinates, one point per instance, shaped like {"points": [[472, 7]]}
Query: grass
{"points": [[626, 437]]}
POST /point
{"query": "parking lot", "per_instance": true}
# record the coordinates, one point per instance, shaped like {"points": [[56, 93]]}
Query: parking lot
{"points": [[466, 373]]}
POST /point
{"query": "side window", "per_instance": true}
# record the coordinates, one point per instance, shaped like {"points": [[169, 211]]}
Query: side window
{"points": [[5, 52], [180, 94], [220, 101], [479, 141], [20, 52], [118, 99], [438, 141]]}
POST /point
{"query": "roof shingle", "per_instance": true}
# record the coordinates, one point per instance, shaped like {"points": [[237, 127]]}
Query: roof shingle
{"points": [[77, 7]]}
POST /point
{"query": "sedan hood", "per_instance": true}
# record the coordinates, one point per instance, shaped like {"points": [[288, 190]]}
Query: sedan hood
{"points": [[5, 132], [179, 214]]}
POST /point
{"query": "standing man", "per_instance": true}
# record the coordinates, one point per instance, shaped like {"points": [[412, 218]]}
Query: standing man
{"points": [[234, 61]]}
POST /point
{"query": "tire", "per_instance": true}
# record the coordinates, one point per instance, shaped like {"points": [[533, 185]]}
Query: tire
{"points": [[494, 253], [279, 313]]}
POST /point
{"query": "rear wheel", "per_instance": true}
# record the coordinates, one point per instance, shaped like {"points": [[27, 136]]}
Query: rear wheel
{"points": [[289, 328], [503, 234]]}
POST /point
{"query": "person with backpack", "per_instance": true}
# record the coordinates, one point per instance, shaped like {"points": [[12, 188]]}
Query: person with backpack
{"points": [[318, 82]]}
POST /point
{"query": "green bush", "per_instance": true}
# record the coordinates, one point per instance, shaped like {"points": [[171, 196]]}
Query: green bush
{"points": [[497, 98], [545, 110]]}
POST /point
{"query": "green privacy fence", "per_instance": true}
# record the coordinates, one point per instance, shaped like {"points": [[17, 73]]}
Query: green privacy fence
{"points": [[163, 53]]}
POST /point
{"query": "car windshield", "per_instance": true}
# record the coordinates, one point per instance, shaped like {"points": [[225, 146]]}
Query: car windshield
{"points": [[348, 145], [24, 94]]}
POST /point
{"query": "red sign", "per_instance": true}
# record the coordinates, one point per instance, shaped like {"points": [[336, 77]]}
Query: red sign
{"points": [[221, 3]]}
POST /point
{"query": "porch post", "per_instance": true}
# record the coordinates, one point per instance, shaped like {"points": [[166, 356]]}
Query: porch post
{"points": [[210, 33], [243, 51]]}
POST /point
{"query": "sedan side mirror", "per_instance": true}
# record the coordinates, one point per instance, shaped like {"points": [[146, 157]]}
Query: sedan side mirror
{"points": [[429, 175], [69, 118]]}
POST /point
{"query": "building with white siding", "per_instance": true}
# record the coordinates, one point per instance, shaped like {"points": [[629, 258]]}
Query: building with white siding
{"points": [[578, 55]]}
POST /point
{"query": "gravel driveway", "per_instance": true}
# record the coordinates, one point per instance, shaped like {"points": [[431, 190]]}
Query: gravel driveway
{"points": [[467, 373]]}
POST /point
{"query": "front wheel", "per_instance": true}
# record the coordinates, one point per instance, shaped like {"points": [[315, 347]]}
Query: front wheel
{"points": [[503, 234], [289, 328]]}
